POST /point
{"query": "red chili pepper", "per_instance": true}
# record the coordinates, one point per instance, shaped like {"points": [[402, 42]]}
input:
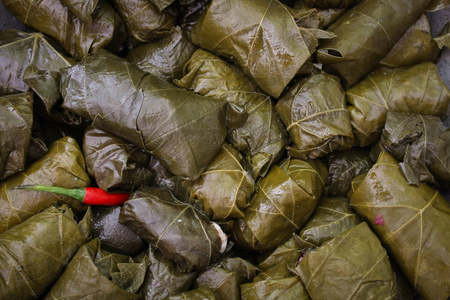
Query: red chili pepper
{"points": [[89, 195]]}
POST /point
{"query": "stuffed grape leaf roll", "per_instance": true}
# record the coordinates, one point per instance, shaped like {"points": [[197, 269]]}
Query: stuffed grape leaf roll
{"points": [[16, 120], [284, 201], [179, 230], [422, 143], [113, 162], [364, 36], [417, 89], [225, 185], [183, 130], [260, 36], [254, 127], [62, 166], [100, 275], [315, 114], [414, 229], [33, 254], [352, 265], [53, 18]]}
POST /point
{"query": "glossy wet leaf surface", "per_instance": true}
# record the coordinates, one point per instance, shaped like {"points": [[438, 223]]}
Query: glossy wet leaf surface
{"points": [[259, 132], [422, 142], [62, 166], [315, 114], [417, 89], [353, 264], [34, 254], [415, 229], [183, 130], [262, 37]]}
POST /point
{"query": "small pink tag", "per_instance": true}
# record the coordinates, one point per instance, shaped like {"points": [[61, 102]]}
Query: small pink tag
{"points": [[379, 220]]}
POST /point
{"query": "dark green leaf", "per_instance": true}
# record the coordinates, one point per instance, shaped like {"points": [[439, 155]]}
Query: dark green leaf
{"points": [[352, 265], [113, 162], [443, 39], [34, 253], [286, 288], [222, 282], [278, 271], [331, 3], [415, 46], [62, 166], [177, 229], [143, 20], [16, 119], [422, 142], [225, 185], [163, 277], [54, 19], [114, 236], [259, 132], [162, 4], [288, 252], [83, 9], [197, 294], [183, 130], [417, 89], [331, 217], [284, 200], [415, 229], [244, 268], [262, 37], [315, 114], [164, 58], [20, 50], [343, 166], [365, 35], [90, 272]]}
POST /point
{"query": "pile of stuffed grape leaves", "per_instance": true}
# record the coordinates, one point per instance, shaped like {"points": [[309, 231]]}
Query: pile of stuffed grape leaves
{"points": [[225, 149]]}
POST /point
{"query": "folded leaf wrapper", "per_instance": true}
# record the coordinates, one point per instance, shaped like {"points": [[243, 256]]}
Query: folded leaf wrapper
{"points": [[183, 130], [19, 50], [364, 36], [343, 167], [143, 20], [225, 185], [332, 217], [53, 18], [196, 294], [113, 162], [224, 283], [33, 254], [262, 37], [275, 283], [114, 236], [315, 114], [422, 142], [331, 3], [327, 16], [254, 127], [177, 229], [83, 9], [62, 166], [418, 89], [288, 252], [354, 264], [415, 230], [415, 46], [16, 120], [284, 201], [164, 58], [96, 273], [163, 279]]}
